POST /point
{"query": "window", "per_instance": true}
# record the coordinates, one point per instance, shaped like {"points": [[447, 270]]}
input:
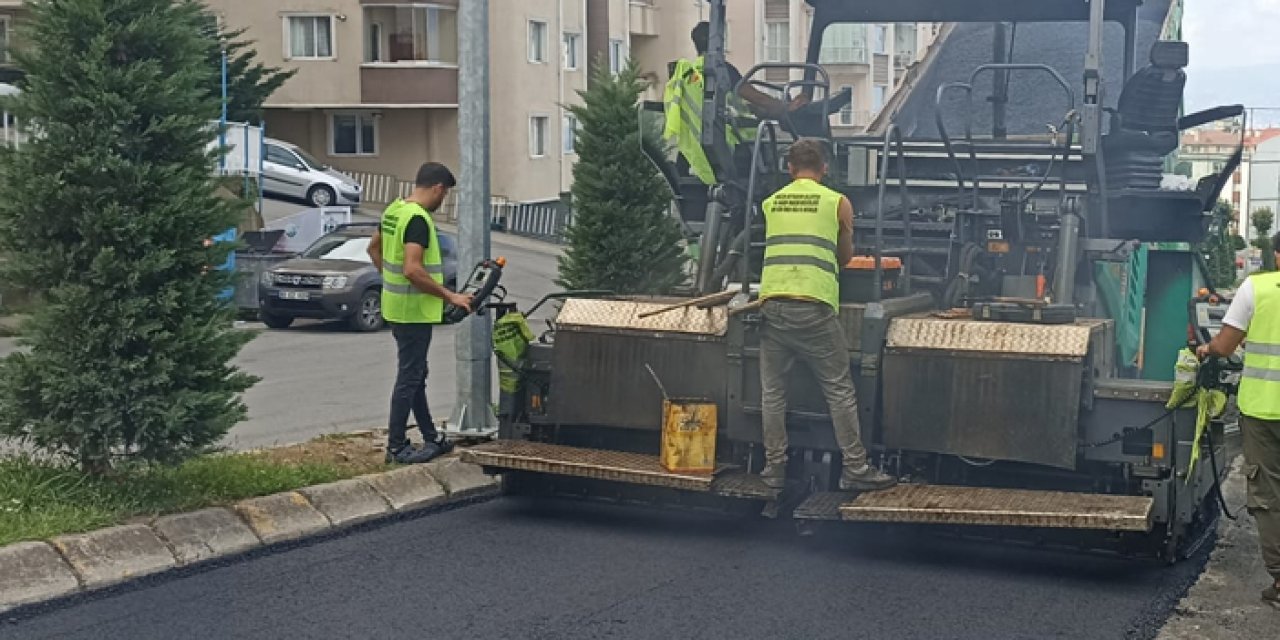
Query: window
{"points": [[537, 41], [354, 134], [777, 41], [617, 57], [410, 34], [877, 98], [4, 40], [283, 157], [904, 42], [373, 43], [846, 114], [844, 44], [309, 37], [882, 38], [570, 131], [538, 136], [571, 50]]}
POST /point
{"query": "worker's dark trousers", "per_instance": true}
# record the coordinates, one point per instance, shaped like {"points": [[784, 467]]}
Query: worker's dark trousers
{"points": [[811, 333], [410, 391], [1262, 470]]}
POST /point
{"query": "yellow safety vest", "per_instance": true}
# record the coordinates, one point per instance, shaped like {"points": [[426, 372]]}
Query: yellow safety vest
{"points": [[682, 108], [1260, 384], [401, 301], [802, 226]]}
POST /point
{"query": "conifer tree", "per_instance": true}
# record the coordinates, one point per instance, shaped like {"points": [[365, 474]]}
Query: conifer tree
{"points": [[107, 211], [623, 237]]}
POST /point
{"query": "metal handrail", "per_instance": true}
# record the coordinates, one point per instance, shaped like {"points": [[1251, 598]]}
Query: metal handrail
{"points": [[892, 137], [824, 82], [771, 127], [968, 122]]}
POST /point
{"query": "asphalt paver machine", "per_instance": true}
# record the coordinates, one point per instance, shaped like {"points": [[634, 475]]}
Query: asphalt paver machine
{"points": [[1014, 351]]}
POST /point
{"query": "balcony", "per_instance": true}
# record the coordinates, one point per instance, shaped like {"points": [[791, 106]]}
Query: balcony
{"points": [[644, 18], [419, 85], [410, 54]]}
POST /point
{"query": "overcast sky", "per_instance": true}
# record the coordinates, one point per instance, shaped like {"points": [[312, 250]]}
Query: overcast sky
{"points": [[1235, 54]]}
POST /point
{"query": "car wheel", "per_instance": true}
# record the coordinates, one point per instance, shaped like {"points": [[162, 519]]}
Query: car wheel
{"points": [[368, 316], [274, 321], [321, 195]]}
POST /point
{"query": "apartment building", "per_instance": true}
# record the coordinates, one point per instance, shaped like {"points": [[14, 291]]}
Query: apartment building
{"points": [[376, 88], [1255, 183]]}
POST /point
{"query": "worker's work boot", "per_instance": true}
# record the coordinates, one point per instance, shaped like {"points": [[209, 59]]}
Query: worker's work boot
{"points": [[774, 476], [409, 454], [868, 478]]}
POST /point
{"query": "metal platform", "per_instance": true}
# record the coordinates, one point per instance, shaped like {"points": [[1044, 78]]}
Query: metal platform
{"points": [[1001, 507], [823, 505], [613, 466]]}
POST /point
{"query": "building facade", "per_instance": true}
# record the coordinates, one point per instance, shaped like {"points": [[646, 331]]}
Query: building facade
{"points": [[1254, 183], [376, 86]]}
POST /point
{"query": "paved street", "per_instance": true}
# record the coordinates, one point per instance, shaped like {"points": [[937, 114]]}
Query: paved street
{"points": [[512, 568], [322, 378]]}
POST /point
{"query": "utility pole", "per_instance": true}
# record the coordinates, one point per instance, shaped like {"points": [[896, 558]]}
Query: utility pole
{"points": [[473, 412]]}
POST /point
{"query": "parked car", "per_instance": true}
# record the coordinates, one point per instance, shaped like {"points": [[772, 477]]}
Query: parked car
{"points": [[334, 279], [289, 171]]}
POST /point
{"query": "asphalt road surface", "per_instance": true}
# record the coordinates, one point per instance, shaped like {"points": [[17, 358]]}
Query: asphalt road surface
{"points": [[323, 378], [516, 568]]}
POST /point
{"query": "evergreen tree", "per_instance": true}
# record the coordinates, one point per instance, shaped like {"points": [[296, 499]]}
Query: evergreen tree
{"points": [[1262, 220], [106, 214], [1219, 248], [249, 82], [623, 237]]}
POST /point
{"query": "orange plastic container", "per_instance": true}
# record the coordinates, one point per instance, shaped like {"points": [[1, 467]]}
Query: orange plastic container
{"points": [[857, 279]]}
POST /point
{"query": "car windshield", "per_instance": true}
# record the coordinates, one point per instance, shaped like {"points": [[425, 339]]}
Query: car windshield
{"points": [[312, 163], [339, 246]]}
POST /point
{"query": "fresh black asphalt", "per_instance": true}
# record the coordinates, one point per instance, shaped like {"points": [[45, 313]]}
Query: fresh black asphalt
{"points": [[520, 568]]}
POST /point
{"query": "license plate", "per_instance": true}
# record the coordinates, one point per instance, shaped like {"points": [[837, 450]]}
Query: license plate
{"points": [[295, 295]]}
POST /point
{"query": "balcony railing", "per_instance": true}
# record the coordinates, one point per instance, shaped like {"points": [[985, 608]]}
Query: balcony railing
{"points": [[843, 55]]}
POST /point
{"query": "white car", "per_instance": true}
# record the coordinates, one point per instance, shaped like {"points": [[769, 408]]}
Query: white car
{"points": [[289, 171]]}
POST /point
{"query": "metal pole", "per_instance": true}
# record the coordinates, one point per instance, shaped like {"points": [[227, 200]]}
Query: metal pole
{"points": [[222, 124], [473, 410], [999, 82]]}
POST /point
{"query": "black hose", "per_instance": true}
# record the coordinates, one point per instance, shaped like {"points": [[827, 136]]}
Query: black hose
{"points": [[1217, 477]]}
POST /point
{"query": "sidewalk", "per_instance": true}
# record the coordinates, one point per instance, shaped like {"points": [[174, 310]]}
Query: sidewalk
{"points": [[1224, 603]]}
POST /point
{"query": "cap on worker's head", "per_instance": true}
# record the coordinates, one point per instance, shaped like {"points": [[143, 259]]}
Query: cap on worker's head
{"points": [[701, 36]]}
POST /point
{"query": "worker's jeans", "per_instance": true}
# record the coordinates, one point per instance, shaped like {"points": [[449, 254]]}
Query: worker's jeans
{"points": [[410, 391], [811, 333], [1262, 471]]}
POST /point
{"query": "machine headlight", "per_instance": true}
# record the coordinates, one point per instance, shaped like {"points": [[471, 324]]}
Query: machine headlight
{"points": [[335, 282], [268, 278]]}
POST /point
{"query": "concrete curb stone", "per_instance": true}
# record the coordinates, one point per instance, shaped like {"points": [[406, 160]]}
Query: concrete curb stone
{"points": [[33, 572], [107, 556], [461, 479], [205, 534], [280, 517], [407, 488], [347, 501]]}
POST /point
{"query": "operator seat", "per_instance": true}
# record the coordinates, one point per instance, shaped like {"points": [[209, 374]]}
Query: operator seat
{"points": [[1144, 125]]}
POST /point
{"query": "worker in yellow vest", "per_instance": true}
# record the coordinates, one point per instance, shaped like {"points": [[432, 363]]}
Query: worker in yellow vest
{"points": [[808, 236], [1255, 314], [406, 250], [682, 109]]}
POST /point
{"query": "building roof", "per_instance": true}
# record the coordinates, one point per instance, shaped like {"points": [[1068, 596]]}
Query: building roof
{"points": [[1035, 100], [1208, 136]]}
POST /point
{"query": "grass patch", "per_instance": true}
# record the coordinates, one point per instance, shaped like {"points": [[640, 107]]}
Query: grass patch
{"points": [[40, 499]]}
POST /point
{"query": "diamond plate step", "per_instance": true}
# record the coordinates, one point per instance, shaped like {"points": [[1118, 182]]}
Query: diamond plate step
{"points": [[739, 484], [939, 504], [823, 505], [597, 464]]}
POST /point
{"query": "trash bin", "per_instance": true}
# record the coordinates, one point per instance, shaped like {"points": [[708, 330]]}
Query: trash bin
{"points": [[250, 265]]}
